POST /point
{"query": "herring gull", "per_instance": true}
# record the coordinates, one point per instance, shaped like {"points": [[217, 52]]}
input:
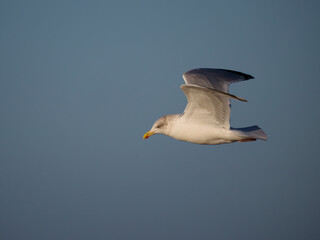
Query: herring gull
{"points": [[206, 118]]}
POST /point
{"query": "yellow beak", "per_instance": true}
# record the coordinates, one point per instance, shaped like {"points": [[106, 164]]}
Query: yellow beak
{"points": [[148, 134]]}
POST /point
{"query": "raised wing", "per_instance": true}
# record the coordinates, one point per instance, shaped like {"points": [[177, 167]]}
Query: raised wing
{"points": [[218, 79], [207, 106]]}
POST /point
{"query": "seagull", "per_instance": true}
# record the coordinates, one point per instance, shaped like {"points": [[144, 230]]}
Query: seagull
{"points": [[206, 118]]}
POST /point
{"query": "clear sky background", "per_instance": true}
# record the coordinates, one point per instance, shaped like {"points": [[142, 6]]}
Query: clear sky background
{"points": [[82, 81]]}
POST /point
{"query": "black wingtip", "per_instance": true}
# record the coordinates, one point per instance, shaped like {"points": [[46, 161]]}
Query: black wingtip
{"points": [[246, 76]]}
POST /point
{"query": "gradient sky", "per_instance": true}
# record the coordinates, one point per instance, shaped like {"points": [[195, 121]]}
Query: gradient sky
{"points": [[82, 81]]}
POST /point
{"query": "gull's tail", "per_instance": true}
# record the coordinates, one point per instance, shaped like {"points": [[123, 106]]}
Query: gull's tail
{"points": [[253, 132]]}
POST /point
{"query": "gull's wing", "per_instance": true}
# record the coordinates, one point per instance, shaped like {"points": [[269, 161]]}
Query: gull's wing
{"points": [[218, 79], [208, 106]]}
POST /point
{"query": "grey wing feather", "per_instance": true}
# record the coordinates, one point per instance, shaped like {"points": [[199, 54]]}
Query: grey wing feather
{"points": [[207, 105], [218, 79]]}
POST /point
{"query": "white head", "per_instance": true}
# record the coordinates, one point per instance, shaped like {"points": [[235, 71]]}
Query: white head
{"points": [[162, 125]]}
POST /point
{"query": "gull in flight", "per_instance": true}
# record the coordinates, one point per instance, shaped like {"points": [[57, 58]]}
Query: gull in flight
{"points": [[206, 118]]}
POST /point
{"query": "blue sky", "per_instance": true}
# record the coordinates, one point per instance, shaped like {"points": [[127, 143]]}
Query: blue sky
{"points": [[82, 81]]}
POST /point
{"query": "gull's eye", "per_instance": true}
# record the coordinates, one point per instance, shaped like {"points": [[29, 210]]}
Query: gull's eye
{"points": [[159, 125]]}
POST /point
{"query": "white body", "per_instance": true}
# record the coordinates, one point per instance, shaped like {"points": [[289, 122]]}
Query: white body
{"points": [[190, 131]]}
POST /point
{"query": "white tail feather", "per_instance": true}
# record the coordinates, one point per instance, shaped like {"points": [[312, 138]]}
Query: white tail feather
{"points": [[254, 132]]}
